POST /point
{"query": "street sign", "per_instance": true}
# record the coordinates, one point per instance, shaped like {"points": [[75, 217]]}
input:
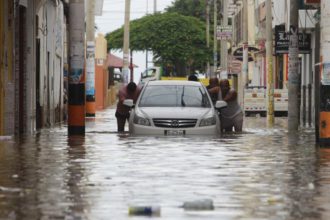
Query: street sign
{"points": [[325, 79], [282, 41], [224, 32]]}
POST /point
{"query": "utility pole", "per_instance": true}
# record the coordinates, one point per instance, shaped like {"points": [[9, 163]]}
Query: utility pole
{"points": [[155, 11], [76, 98], [208, 34], [215, 41], [155, 6], [131, 67], [324, 115], [245, 70], [224, 50], [147, 59], [294, 74], [126, 41], [269, 54], [90, 59]]}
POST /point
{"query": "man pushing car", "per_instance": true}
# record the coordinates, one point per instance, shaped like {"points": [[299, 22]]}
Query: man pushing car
{"points": [[129, 91]]}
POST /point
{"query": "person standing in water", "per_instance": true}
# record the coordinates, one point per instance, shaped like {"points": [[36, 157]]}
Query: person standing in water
{"points": [[213, 89], [231, 116], [129, 91]]}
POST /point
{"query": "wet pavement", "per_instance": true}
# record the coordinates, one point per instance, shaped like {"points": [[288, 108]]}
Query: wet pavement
{"points": [[260, 174]]}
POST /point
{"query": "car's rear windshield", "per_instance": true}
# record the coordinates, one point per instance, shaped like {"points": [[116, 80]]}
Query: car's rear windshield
{"points": [[174, 96]]}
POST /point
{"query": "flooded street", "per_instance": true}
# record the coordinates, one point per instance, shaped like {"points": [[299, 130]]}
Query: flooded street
{"points": [[260, 174]]}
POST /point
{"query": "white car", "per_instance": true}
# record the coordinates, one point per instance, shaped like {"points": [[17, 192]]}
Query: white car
{"points": [[170, 107]]}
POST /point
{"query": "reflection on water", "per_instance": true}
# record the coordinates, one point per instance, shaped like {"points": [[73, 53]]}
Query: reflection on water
{"points": [[260, 174]]}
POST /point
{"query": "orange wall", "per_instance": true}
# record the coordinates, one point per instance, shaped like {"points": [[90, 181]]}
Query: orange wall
{"points": [[101, 72], [324, 124], [100, 82]]}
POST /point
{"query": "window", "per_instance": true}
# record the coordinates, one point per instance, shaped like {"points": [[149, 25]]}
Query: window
{"points": [[149, 73], [174, 96]]}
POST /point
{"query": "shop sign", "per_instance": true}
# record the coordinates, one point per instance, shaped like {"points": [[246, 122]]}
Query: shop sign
{"points": [[282, 41], [326, 74]]}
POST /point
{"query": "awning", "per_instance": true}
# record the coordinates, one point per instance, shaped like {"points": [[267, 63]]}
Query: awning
{"points": [[116, 62], [238, 53]]}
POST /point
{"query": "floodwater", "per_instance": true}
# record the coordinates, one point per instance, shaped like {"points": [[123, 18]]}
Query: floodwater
{"points": [[260, 174]]}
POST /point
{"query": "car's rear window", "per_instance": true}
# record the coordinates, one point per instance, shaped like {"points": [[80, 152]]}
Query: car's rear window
{"points": [[174, 96]]}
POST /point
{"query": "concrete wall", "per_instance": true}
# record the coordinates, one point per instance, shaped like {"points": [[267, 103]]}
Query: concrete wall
{"points": [[31, 68], [280, 12], [51, 34], [18, 53], [59, 62]]}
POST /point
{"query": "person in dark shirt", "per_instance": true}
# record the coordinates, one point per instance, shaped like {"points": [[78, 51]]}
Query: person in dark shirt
{"points": [[192, 77], [213, 83]]}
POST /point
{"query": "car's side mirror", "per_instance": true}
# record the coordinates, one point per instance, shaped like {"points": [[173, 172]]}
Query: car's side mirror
{"points": [[128, 102], [220, 104]]}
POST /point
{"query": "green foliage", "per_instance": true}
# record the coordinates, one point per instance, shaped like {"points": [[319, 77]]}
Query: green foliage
{"points": [[194, 8], [174, 39]]}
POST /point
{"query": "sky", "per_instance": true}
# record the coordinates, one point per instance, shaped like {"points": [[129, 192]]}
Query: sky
{"points": [[113, 18]]}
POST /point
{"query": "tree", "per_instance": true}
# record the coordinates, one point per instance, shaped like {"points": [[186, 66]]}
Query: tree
{"points": [[194, 8], [174, 39]]}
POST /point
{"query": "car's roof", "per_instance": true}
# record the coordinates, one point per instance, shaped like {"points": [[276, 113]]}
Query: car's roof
{"points": [[173, 82]]}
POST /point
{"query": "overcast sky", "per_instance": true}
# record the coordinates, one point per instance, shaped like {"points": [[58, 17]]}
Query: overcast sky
{"points": [[113, 12], [113, 18]]}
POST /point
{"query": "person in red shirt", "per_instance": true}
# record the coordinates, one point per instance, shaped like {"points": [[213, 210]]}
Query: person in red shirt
{"points": [[129, 91]]}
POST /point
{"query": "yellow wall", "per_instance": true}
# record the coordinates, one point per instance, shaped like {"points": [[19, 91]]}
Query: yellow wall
{"points": [[204, 81], [285, 70], [101, 47], [103, 95]]}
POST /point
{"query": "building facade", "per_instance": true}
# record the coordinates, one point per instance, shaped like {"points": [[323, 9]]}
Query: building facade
{"points": [[280, 25], [33, 57]]}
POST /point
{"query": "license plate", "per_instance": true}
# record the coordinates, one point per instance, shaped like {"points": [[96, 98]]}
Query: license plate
{"points": [[175, 132]]}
